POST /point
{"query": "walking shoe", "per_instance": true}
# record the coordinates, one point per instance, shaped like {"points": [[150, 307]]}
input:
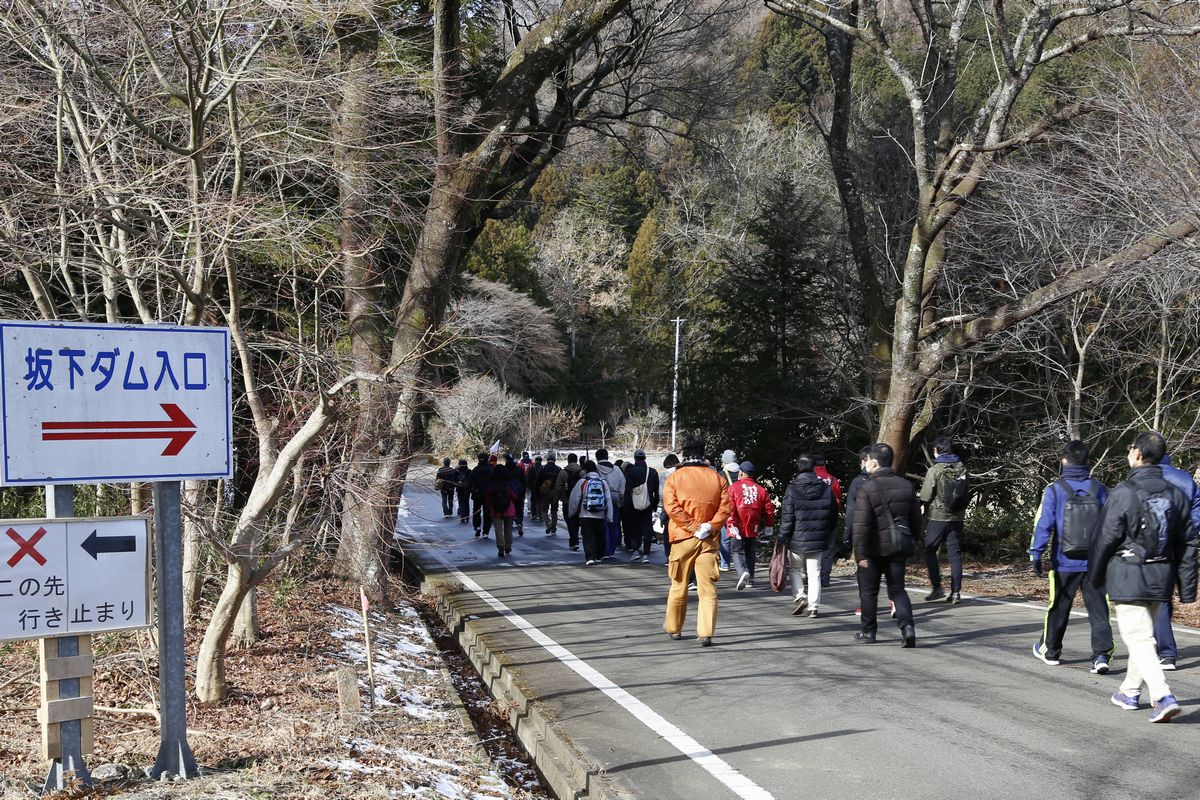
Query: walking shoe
{"points": [[675, 636], [908, 635], [605, 558], [826, 583], [500, 553], [1166, 709], [891, 612], [864, 638], [591, 562], [1129, 702], [936, 594], [812, 614], [955, 598], [1167, 663], [858, 612], [574, 548], [706, 641], [1039, 652], [508, 551], [743, 581], [751, 585], [520, 532], [692, 586], [477, 534], [1100, 666], [636, 557], [801, 603]]}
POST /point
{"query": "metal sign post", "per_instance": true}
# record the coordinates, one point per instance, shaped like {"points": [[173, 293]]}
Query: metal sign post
{"points": [[174, 754], [60, 502]]}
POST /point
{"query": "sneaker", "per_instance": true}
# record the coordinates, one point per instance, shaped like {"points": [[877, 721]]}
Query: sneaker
{"points": [[575, 548], [1128, 702], [692, 586], [743, 581], [891, 612], [1167, 663], [636, 557], [1039, 652], [591, 562], [908, 636], [858, 612], [936, 594], [1100, 666], [675, 636], [801, 603], [955, 598], [864, 638], [706, 641], [1166, 709], [813, 614], [605, 558]]}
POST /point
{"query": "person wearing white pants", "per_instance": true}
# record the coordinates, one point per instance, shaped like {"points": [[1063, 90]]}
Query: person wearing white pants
{"points": [[1136, 624], [807, 518]]}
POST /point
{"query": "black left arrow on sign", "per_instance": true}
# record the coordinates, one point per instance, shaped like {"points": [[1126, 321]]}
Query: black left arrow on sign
{"points": [[95, 545]]}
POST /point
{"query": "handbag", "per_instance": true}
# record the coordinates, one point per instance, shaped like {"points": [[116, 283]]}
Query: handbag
{"points": [[779, 567], [901, 534]]}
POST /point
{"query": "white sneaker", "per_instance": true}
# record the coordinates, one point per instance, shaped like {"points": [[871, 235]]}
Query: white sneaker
{"points": [[591, 562], [636, 557], [742, 581]]}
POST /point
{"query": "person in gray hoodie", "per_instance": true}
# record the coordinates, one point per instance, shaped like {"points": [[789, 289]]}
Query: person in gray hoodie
{"points": [[615, 479], [591, 502]]}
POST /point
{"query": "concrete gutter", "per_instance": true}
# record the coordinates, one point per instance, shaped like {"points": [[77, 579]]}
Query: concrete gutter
{"points": [[567, 772]]}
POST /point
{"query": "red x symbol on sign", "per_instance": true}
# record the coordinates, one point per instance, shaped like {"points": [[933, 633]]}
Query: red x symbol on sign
{"points": [[25, 548]]}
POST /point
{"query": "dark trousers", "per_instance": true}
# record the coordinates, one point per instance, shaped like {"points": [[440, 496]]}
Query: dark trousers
{"points": [[723, 555], [520, 518], [1063, 588], [448, 501], [639, 529], [612, 533], [464, 504], [481, 515], [1164, 637], [744, 552], [827, 562], [891, 569], [666, 526], [594, 539], [951, 533], [572, 526]]}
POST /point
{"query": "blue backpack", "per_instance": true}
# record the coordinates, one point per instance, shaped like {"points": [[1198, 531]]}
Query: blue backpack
{"points": [[595, 498]]}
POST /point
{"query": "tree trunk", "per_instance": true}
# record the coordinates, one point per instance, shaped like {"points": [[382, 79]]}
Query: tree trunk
{"points": [[245, 629], [210, 661], [193, 554]]}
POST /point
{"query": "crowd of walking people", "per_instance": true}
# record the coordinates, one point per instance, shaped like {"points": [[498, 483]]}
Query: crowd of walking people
{"points": [[1130, 550]]}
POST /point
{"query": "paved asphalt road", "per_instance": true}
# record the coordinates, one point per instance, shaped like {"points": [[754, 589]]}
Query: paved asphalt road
{"points": [[802, 711]]}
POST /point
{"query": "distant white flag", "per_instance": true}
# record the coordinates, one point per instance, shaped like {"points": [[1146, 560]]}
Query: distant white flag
{"points": [[495, 448]]}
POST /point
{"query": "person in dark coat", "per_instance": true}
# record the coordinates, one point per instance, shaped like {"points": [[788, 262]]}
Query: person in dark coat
{"points": [[851, 493], [481, 476], [446, 477], [502, 502], [1145, 548], [544, 492], [885, 504], [462, 486], [639, 522], [807, 517], [1164, 636]]}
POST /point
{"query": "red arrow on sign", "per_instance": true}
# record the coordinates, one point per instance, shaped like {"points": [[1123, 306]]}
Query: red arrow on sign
{"points": [[177, 427]]}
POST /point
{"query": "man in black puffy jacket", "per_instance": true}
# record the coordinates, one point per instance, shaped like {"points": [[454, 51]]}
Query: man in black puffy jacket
{"points": [[807, 517], [1145, 548], [886, 515]]}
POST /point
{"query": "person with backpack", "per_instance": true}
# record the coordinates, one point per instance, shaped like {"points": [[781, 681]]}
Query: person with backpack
{"points": [[886, 519], [1164, 636], [807, 519], [531, 482], [563, 484], [502, 503], [750, 512], [547, 479], [945, 494], [641, 499], [615, 479], [1071, 510], [445, 483], [696, 499], [591, 502], [835, 486], [462, 485], [481, 478], [1144, 550]]}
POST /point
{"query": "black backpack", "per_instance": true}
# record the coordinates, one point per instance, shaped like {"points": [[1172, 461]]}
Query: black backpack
{"points": [[1080, 516], [1156, 517], [498, 496], [956, 492]]}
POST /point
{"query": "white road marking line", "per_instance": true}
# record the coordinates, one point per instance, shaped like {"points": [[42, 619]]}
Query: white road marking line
{"points": [[738, 783]]}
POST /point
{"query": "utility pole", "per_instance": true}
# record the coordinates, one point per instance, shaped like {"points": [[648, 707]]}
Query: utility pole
{"points": [[529, 441], [675, 389]]}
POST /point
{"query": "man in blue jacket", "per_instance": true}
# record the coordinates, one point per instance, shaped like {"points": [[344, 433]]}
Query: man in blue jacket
{"points": [[1068, 575], [1168, 651]]}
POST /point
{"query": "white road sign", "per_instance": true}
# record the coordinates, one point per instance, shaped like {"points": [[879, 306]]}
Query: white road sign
{"points": [[114, 403], [71, 576]]}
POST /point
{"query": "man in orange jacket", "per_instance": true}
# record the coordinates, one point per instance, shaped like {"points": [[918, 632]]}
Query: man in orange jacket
{"points": [[696, 499]]}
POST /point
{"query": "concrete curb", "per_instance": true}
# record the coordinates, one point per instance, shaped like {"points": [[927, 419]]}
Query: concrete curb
{"points": [[567, 771]]}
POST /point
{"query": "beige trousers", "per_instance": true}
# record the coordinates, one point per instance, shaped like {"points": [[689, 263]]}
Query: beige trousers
{"points": [[1135, 622], [700, 555]]}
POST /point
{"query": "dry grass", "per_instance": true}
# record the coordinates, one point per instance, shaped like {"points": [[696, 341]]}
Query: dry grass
{"points": [[278, 735]]}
